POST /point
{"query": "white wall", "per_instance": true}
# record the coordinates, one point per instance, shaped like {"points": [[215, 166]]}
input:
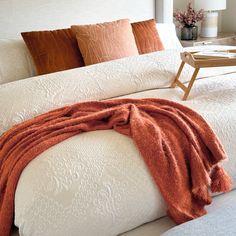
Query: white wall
{"points": [[25, 15]]}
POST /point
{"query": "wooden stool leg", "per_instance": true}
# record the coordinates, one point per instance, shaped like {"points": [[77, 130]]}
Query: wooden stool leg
{"points": [[190, 85], [178, 74]]}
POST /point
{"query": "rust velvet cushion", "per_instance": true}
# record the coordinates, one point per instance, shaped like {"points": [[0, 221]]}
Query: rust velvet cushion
{"points": [[106, 41], [147, 37], [53, 51]]}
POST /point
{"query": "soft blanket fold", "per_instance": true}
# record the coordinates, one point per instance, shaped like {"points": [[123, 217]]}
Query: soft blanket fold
{"points": [[178, 146]]}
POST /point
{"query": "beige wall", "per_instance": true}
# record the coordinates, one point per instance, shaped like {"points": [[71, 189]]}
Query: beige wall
{"points": [[227, 18], [228, 21], [180, 4]]}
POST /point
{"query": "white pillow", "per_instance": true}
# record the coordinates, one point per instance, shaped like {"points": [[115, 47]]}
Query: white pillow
{"points": [[15, 61], [168, 35]]}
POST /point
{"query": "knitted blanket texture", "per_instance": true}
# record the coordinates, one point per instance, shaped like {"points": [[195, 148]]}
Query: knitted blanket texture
{"points": [[178, 146]]}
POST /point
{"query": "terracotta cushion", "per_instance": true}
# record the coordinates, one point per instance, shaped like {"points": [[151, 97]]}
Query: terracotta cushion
{"points": [[53, 51], [147, 37], [106, 41]]}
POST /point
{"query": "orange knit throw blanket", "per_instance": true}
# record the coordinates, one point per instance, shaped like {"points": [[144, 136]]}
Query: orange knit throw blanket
{"points": [[178, 146]]}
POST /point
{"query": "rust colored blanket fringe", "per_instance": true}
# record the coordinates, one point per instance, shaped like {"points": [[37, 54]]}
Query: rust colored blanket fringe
{"points": [[178, 146]]}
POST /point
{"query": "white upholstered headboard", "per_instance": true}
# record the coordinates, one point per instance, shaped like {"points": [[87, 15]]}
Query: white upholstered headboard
{"points": [[25, 15]]}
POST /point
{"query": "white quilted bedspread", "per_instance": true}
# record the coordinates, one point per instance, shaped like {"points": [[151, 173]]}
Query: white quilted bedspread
{"points": [[96, 183]]}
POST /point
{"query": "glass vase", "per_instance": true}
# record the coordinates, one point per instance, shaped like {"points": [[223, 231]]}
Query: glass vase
{"points": [[189, 32]]}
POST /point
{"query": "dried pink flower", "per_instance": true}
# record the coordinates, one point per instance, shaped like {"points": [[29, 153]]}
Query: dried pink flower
{"points": [[189, 17]]}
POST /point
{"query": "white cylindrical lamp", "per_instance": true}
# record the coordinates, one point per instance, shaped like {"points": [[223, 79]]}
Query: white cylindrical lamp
{"points": [[209, 26]]}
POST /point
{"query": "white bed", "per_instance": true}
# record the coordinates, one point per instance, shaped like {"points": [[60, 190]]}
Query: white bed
{"points": [[125, 195], [89, 185]]}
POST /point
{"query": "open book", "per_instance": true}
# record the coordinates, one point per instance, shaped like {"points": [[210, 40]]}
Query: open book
{"points": [[215, 54]]}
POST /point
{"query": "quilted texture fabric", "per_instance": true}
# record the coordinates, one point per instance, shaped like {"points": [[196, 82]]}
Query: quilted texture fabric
{"points": [[158, 227], [218, 223], [54, 50], [15, 61], [147, 37], [72, 184], [105, 42]]}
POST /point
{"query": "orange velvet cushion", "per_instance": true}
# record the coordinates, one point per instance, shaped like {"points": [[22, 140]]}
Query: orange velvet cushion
{"points": [[106, 41], [147, 37], [53, 51]]}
